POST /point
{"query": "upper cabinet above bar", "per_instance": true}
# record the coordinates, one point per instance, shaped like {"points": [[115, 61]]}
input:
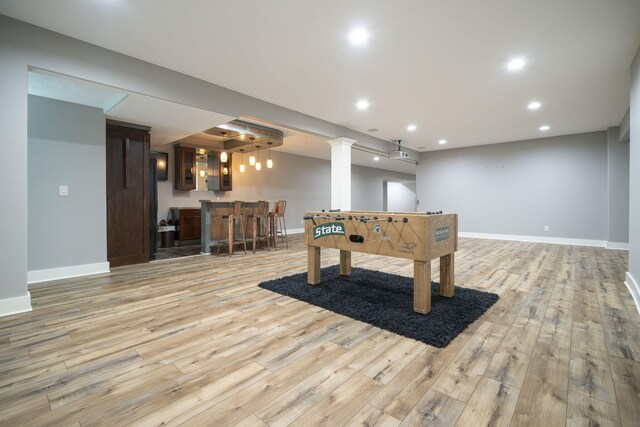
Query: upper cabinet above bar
{"points": [[185, 165]]}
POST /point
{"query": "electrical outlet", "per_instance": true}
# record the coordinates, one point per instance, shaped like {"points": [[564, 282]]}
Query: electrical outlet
{"points": [[546, 228], [64, 190]]}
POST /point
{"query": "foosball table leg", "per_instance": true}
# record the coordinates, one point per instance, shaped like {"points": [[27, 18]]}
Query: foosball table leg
{"points": [[313, 265], [422, 286], [446, 275], [345, 263]]}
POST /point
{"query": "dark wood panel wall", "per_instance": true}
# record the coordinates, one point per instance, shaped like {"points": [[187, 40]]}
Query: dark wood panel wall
{"points": [[127, 195]]}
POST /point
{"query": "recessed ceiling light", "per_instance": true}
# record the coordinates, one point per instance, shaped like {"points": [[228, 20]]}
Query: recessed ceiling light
{"points": [[516, 64], [534, 105], [363, 104], [544, 127], [411, 128], [376, 158], [358, 36], [442, 141]]}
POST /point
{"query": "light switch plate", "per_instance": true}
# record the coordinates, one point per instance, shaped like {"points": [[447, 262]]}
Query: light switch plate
{"points": [[64, 190]]}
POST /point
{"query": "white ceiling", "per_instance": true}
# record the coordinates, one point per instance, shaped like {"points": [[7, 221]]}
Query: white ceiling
{"points": [[304, 144], [437, 64], [170, 122]]}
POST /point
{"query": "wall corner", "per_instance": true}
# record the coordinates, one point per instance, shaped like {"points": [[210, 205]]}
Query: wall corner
{"points": [[15, 305]]}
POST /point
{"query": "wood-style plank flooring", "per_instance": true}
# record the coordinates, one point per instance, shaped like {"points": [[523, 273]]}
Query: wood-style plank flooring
{"points": [[195, 342]]}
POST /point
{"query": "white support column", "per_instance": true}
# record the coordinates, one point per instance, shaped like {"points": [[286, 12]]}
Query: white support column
{"points": [[341, 173]]}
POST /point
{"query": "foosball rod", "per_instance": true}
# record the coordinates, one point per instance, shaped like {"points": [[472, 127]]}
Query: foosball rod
{"points": [[388, 219], [351, 218], [337, 217]]}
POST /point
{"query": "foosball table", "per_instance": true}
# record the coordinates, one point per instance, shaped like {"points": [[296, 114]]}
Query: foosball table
{"points": [[420, 236]]}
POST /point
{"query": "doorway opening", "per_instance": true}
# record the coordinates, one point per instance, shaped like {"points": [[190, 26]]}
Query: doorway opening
{"points": [[399, 196]]}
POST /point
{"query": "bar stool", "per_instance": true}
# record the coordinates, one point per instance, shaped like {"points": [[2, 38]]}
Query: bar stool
{"points": [[281, 226], [273, 224], [236, 215], [257, 218]]}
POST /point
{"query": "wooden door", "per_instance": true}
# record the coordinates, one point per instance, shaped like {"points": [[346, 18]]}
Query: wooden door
{"points": [[127, 195]]}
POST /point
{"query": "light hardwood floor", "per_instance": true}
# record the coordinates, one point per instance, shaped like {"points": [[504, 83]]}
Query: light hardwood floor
{"points": [[194, 341]]}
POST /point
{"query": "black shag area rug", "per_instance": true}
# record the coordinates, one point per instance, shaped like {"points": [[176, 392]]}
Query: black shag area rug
{"points": [[386, 301]]}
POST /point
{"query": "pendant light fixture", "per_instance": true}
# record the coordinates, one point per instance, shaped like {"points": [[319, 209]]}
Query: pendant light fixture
{"points": [[269, 161], [252, 159], [223, 155], [242, 161], [258, 165]]}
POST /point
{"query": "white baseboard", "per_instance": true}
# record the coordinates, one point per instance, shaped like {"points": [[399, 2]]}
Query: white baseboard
{"points": [[295, 231], [37, 276], [617, 245], [15, 305], [535, 239], [634, 289]]}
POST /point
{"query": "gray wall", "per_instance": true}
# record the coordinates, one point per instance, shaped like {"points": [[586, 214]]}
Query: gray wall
{"points": [[517, 188], [367, 187], [13, 165], [401, 196], [66, 147], [634, 175], [618, 187], [304, 182]]}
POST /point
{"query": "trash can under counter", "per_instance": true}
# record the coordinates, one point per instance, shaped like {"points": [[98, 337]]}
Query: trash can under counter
{"points": [[167, 235]]}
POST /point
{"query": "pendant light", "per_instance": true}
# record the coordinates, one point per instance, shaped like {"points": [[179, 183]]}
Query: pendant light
{"points": [[242, 161], [252, 159], [269, 162], [258, 165], [223, 155]]}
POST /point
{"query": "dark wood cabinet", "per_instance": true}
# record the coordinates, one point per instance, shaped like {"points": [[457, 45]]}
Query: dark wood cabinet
{"points": [[225, 174], [188, 223], [185, 167], [220, 173]]}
